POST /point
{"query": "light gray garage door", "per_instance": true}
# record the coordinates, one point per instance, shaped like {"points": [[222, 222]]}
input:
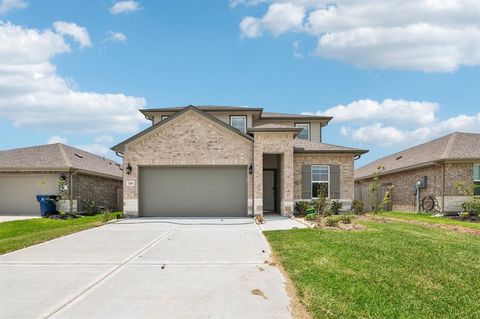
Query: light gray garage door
{"points": [[18, 192], [193, 191]]}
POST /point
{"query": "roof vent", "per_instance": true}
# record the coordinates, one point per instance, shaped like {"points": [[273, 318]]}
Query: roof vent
{"points": [[399, 157], [78, 155]]}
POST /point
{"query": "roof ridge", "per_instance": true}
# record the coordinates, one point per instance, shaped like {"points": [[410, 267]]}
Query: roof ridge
{"points": [[448, 148], [64, 155]]}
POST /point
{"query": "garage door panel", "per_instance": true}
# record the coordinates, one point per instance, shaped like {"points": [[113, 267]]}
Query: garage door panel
{"points": [[18, 192], [193, 191]]}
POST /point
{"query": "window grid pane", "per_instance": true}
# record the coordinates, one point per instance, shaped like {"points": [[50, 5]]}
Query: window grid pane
{"points": [[238, 122], [305, 133]]}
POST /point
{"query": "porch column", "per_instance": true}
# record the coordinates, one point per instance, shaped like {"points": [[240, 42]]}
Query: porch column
{"points": [[286, 171], [258, 180]]}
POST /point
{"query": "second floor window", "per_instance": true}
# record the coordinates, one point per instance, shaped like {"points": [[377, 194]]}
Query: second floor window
{"points": [[305, 133], [239, 122]]}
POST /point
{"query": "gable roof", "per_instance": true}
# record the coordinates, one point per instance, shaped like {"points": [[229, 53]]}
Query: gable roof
{"points": [[57, 157], [221, 108], [304, 146], [119, 147], [455, 146]]}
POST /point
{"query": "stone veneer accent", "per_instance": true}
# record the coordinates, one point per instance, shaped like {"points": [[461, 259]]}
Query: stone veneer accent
{"points": [[274, 143], [189, 139], [346, 172], [403, 198]]}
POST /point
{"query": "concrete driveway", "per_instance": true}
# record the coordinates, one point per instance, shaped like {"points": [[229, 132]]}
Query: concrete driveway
{"points": [[147, 268]]}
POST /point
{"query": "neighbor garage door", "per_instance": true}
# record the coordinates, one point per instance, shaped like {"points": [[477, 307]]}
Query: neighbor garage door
{"points": [[193, 191], [18, 192]]}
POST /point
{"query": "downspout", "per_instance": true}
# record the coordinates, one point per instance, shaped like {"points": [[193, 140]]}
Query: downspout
{"points": [[253, 177], [443, 188]]}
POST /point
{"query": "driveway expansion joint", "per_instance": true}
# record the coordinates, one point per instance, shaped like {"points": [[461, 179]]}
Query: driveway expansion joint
{"points": [[112, 272]]}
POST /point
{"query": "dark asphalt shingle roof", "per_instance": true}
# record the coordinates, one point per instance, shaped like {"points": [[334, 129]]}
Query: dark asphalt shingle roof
{"points": [[301, 145], [453, 146], [57, 157]]}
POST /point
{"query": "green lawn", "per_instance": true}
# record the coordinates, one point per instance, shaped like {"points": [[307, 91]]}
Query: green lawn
{"points": [[389, 270], [429, 219], [23, 233]]}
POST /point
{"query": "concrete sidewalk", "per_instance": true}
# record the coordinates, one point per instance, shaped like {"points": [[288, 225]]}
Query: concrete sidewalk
{"points": [[147, 268]]}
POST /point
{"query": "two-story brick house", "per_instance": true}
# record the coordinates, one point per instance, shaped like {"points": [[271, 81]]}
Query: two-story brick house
{"points": [[209, 161]]}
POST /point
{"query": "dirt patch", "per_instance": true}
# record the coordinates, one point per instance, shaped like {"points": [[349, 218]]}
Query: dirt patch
{"points": [[455, 228], [258, 292], [297, 308]]}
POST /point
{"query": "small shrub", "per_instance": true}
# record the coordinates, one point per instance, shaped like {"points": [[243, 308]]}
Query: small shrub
{"points": [[464, 215], [358, 207], [332, 221], [335, 207], [301, 207], [327, 213], [321, 203], [472, 206], [347, 219], [311, 217]]}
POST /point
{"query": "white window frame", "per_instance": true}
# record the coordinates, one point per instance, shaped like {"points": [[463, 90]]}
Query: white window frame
{"points": [[328, 179], [476, 167], [309, 129], [164, 117], [236, 117], [476, 181]]}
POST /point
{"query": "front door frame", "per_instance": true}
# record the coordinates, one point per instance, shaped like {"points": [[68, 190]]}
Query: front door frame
{"points": [[275, 188]]}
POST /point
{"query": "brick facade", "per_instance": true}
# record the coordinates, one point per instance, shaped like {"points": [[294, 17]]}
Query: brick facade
{"points": [[281, 144], [190, 139], [346, 172], [403, 198], [101, 190]]}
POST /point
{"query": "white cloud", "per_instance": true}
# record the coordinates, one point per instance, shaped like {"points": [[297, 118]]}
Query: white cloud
{"points": [[400, 112], [397, 123], [98, 149], [9, 5], [79, 34], [33, 95], [124, 7], [247, 3], [116, 37], [103, 139], [57, 139], [427, 35], [296, 50], [280, 18]]}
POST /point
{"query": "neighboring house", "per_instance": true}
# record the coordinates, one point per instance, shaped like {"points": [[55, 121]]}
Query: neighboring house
{"points": [[443, 161], [31, 171], [231, 161]]}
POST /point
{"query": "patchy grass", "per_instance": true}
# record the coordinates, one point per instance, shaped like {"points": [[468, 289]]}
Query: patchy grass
{"points": [[429, 219], [389, 270], [23, 233]]}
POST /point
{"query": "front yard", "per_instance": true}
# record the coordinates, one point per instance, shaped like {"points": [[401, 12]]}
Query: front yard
{"points": [[23, 233], [391, 269]]}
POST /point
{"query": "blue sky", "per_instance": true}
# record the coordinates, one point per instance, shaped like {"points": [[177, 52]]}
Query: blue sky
{"points": [[391, 84]]}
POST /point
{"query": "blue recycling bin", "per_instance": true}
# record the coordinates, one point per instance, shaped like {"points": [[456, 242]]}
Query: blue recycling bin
{"points": [[47, 204]]}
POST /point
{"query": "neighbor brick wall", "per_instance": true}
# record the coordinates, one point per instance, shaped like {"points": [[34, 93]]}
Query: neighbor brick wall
{"points": [[190, 139], [404, 182], [99, 189], [346, 171]]}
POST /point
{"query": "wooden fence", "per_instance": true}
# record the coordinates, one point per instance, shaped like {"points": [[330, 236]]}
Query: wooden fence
{"points": [[362, 193]]}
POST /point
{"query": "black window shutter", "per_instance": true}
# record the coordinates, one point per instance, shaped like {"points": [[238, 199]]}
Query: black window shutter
{"points": [[306, 182], [335, 181]]}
